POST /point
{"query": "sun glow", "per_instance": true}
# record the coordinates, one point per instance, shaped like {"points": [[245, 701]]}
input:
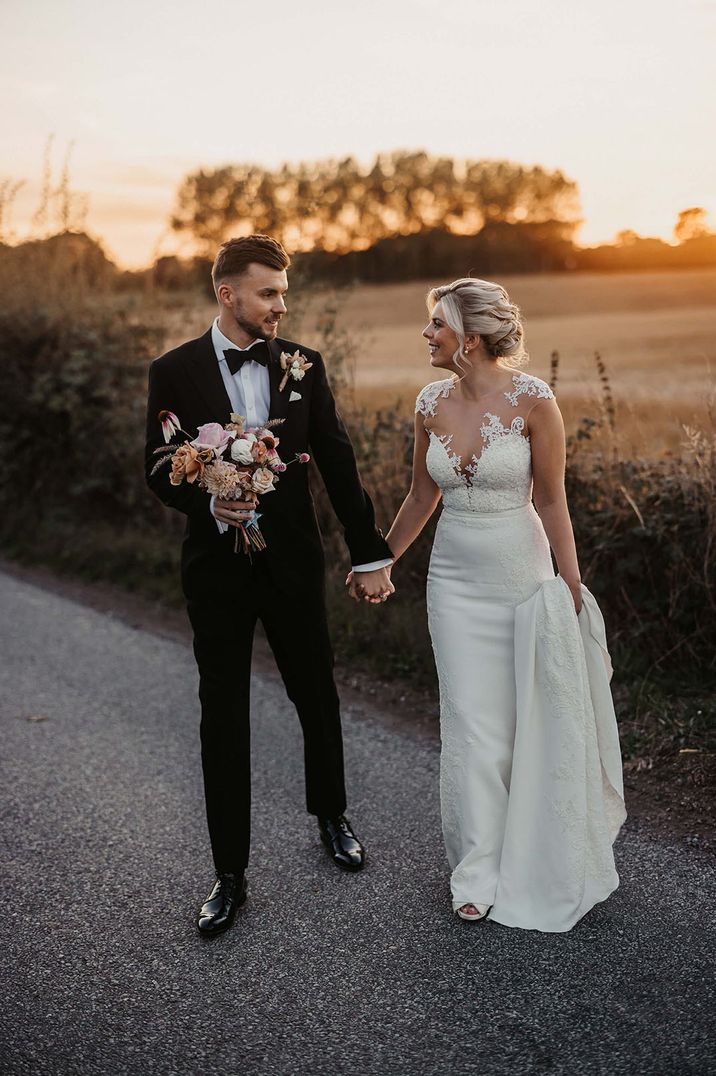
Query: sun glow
{"points": [[579, 90]]}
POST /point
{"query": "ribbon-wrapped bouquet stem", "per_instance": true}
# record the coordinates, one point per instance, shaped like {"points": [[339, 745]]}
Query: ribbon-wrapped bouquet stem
{"points": [[229, 462]]}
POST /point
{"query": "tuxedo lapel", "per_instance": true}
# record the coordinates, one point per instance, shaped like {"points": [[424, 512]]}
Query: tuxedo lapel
{"points": [[279, 400], [203, 370]]}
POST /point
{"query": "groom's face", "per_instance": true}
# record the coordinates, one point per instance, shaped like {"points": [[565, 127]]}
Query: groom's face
{"points": [[256, 299]]}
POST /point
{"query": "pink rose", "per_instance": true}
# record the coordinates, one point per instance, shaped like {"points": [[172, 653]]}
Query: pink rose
{"points": [[303, 457], [211, 435]]}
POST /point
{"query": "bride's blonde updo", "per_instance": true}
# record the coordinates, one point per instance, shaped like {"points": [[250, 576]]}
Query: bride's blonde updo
{"points": [[482, 308]]}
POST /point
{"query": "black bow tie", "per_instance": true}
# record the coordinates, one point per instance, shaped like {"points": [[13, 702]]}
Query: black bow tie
{"points": [[256, 353]]}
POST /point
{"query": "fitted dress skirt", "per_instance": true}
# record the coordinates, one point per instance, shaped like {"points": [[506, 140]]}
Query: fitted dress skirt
{"points": [[530, 773]]}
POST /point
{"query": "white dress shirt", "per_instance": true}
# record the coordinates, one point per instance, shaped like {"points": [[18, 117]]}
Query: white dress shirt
{"points": [[249, 391]]}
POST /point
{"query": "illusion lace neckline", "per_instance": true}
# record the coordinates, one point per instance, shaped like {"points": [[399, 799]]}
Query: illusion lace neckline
{"points": [[492, 430]]}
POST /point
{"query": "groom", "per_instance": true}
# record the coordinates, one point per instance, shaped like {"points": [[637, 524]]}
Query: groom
{"points": [[235, 367]]}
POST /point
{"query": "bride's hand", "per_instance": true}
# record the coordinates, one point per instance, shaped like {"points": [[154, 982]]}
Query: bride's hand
{"points": [[575, 586]]}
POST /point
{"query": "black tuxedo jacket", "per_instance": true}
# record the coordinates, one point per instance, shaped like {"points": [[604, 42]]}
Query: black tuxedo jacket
{"points": [[188, 382]]}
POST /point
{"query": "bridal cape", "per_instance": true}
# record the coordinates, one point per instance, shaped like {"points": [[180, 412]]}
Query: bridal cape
{"points": [[566, 800]]}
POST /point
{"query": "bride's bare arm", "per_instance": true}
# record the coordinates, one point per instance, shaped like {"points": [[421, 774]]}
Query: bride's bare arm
{"points": [[421, 500], [546, 430]]}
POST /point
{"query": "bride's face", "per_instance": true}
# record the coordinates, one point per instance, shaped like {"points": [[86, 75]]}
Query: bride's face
{"points": [[442, 341]]}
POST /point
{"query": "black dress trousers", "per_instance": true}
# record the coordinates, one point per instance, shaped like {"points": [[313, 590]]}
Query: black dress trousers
{"points": [[297, 631]]}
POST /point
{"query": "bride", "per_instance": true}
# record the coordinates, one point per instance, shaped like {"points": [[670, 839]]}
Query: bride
{"points": [[530, 772]]}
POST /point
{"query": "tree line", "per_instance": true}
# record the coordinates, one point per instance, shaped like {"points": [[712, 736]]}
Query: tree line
{"points": [[408, 215], [339, 206]]}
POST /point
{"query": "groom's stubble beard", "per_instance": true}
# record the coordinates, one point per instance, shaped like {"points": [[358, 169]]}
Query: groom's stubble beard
{"points": [[250, 327]]}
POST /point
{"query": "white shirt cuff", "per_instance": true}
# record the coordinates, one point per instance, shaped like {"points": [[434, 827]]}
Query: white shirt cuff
{"points": [[373, 566], [222, 526]]}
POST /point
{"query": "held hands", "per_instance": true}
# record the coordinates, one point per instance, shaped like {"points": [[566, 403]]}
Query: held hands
{"points": [[373, 587]]}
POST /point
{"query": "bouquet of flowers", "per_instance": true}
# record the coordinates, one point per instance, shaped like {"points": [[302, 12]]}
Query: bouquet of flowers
{"points": [[229, 462]]}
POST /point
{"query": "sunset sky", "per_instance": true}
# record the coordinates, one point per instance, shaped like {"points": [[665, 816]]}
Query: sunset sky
{"points": [[619, 95]]}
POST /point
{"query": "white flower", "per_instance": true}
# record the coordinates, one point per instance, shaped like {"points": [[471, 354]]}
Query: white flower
{"points": [[241, 450], [295, 366]]}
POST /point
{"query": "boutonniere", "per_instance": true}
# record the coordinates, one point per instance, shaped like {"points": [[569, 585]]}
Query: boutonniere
{"points": [[294, 366]]}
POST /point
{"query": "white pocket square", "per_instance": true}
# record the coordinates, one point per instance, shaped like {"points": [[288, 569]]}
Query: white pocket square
{"points": [[294, 396]]}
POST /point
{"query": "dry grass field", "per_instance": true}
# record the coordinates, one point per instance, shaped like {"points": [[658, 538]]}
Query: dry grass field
{"points": [[656, 333]]}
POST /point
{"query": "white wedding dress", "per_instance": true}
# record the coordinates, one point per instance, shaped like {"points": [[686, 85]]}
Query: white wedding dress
{"points": [[530, 774]]}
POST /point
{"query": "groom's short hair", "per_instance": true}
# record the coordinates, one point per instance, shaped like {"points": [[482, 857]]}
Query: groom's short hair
{"points": [[236, 255]]}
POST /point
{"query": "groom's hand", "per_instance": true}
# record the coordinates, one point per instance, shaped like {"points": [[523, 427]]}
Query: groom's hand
{"points": [[374, 587], [233, 512]]}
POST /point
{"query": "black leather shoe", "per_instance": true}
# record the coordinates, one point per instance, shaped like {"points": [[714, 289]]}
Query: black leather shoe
{"points": [[219, 910], [343, 846]]}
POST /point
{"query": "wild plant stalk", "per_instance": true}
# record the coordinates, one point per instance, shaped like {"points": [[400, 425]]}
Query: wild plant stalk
{"points": [[342, 346], [588, 426], [553, 370], [608, 409], [9, 189], [41, 216], [71, 206], [700, 446], [60, 209]]}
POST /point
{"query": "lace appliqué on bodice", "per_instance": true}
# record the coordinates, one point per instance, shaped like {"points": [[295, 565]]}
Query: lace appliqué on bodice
{"points": [[429, 396], [493, 429], [527, 385], [500, 477]]}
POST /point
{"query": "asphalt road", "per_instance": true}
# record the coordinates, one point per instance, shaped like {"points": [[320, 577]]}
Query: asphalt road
{"points": [[105, 859]]}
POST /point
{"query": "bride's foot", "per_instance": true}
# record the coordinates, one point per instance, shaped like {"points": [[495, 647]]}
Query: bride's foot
{"points": [[473, 911]]}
